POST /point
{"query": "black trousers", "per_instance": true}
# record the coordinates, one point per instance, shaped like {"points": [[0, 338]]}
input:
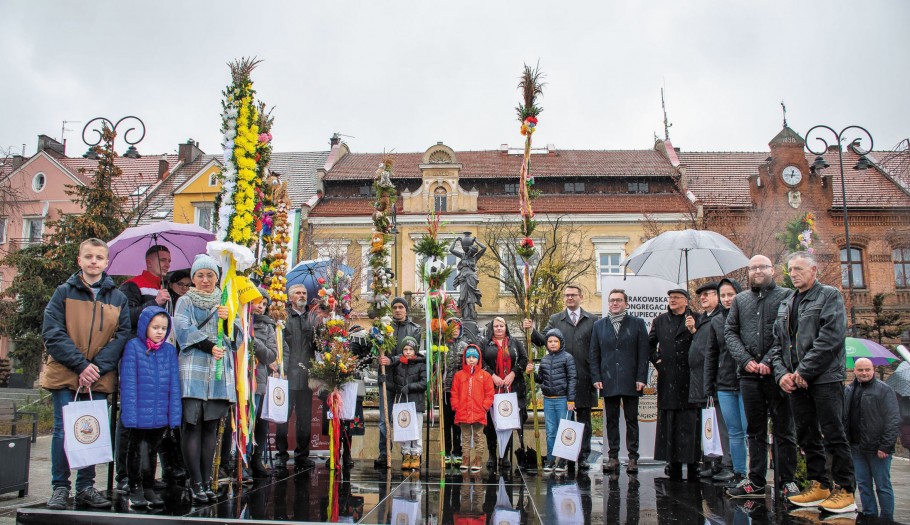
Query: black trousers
{"points": [[302, 405], [611, 419], [583, 415], [142, 455], [452, 431], [818, 412], [763, 398], [121, 445]]}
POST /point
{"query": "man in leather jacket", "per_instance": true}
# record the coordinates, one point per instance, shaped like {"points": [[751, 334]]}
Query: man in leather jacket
{"points": [[871, 417], [403, 327], [300, 345], [808, 358], [749, 335]]}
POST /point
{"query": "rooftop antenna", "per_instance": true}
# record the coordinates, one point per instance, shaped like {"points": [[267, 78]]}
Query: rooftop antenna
{"points": [[667, 124], [784, 107], [64, 129]]}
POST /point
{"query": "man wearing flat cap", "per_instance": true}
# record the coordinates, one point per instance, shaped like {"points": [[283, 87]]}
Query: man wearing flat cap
{"points": [[678, 440]]}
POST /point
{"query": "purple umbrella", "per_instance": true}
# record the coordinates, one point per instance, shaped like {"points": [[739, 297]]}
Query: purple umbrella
{"points": [[857, 348], [184, 241]]}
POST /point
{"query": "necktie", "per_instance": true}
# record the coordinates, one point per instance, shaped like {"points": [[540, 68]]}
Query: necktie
{"points": [[574, 318]]}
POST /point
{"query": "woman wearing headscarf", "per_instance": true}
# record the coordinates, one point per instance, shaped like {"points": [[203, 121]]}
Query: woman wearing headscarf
{"points": [[206, 397], [506, 359]]}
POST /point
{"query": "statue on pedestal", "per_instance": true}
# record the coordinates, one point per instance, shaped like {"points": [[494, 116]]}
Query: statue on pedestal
{"points": [[468, 250]]}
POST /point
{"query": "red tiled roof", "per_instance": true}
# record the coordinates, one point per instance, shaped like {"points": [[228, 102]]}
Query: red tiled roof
{"points": [[136, 172], [865, 189], [722, 178], [493, 163], [502, 204]]}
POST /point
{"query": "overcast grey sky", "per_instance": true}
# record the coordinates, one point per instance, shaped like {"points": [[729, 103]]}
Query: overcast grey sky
{"points": [[403, 75]]}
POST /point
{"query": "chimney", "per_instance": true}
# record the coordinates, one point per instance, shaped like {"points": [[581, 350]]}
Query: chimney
{"points": [[51, 146], [17, 161], [188, 152], [551, 149], [163, 168], [504, 149], [335, 140]]}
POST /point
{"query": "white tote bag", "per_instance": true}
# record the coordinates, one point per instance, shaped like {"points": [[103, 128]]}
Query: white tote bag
{"points": [[568, 439], [567, 504], [406, 425], [710, 432], [505, 411], [275, 408], [87, 432]]}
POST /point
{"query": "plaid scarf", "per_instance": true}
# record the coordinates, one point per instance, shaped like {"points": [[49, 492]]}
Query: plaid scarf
{"points": [[616, 319]]}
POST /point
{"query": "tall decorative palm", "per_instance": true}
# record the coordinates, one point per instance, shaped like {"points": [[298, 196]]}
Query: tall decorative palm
{"points": [[531, 87]]}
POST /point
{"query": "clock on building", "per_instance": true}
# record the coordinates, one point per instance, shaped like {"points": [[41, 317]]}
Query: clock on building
{"points": [[791, 175]]}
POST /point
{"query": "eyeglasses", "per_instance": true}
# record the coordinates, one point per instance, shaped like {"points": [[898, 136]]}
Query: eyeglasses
{"points": [[183, 285], [569, 295], [760, 268], [616, 300]]}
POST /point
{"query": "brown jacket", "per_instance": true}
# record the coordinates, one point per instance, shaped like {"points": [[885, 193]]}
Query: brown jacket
{"points": [[81, 328]]}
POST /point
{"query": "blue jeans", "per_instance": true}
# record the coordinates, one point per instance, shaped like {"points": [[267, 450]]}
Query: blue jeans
{"points": [[869, 468], [731, 407], [554, 409], [60, 468]]}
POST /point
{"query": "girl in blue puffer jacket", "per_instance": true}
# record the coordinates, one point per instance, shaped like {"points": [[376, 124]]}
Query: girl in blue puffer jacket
{"points": [[150, 389]]}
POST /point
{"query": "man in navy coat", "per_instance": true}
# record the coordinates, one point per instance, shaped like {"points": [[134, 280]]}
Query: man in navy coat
{"points": [[619, 369]]}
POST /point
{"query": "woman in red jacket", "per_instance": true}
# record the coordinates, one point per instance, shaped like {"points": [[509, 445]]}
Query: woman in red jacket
{"points": [[472, 397]]}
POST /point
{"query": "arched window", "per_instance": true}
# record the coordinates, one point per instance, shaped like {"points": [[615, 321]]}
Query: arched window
{"points": [[856, 261], [440, 198], [901, 258]]}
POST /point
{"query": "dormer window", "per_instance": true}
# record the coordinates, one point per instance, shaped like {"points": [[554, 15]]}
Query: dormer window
{"points": [[440, 198]]}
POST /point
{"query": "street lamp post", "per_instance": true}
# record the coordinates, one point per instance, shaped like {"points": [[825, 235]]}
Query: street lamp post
{"points": [[100, 122], [863, 163]]}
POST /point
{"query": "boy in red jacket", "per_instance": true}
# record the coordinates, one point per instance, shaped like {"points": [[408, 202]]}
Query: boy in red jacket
{"points": [[472, 397]]}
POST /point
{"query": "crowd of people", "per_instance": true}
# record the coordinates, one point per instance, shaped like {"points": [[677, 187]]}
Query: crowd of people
{"points": [[755, 353]]}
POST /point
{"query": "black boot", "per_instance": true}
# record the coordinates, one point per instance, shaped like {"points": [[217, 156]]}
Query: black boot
{"points": [[259, 468]]}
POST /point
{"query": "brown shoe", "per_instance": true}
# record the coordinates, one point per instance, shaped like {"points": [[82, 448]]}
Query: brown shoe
{"points": [[632, 466], [811, 496], [612, 465], [840, 501]]}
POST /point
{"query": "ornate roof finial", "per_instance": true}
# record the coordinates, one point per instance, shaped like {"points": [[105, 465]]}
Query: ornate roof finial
{"points": [[784, 107], [667, 124]]}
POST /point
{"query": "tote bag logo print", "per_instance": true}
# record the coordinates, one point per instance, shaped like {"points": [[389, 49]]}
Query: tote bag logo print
{"points": [[568, 437], [568, 507], [505, 408], [404, 419], [278, 397], [709, 428], [87, 429]]}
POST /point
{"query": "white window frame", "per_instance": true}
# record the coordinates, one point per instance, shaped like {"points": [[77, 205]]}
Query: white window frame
{"points": [[35, 179], [26, 231], [198, 208], [4, 229], [501, 246], [607, 245], [451, 260], [213, 179]]}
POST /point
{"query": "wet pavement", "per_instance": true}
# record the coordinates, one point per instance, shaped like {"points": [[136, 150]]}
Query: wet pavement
{"points": [[368, 495]]}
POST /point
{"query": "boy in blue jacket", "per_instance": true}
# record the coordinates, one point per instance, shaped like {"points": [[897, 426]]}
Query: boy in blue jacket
{"points": [[150, 387], [558, 379]]}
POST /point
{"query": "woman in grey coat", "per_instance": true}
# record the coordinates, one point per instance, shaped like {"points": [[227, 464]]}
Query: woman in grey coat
{"points": [[266, 350]]}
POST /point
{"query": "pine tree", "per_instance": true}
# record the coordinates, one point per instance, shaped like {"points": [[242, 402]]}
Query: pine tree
{"points": [[43, 267]]}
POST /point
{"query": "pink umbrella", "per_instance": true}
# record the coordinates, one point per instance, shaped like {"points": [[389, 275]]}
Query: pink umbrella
{"points": [[184, 241]]}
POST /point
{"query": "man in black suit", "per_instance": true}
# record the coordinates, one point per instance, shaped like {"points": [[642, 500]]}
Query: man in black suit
{"points": [[576, 325], [618, 357]]}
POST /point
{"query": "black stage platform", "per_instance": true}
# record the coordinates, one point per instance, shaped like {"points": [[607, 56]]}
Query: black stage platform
{"points": [[367, 495]]}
